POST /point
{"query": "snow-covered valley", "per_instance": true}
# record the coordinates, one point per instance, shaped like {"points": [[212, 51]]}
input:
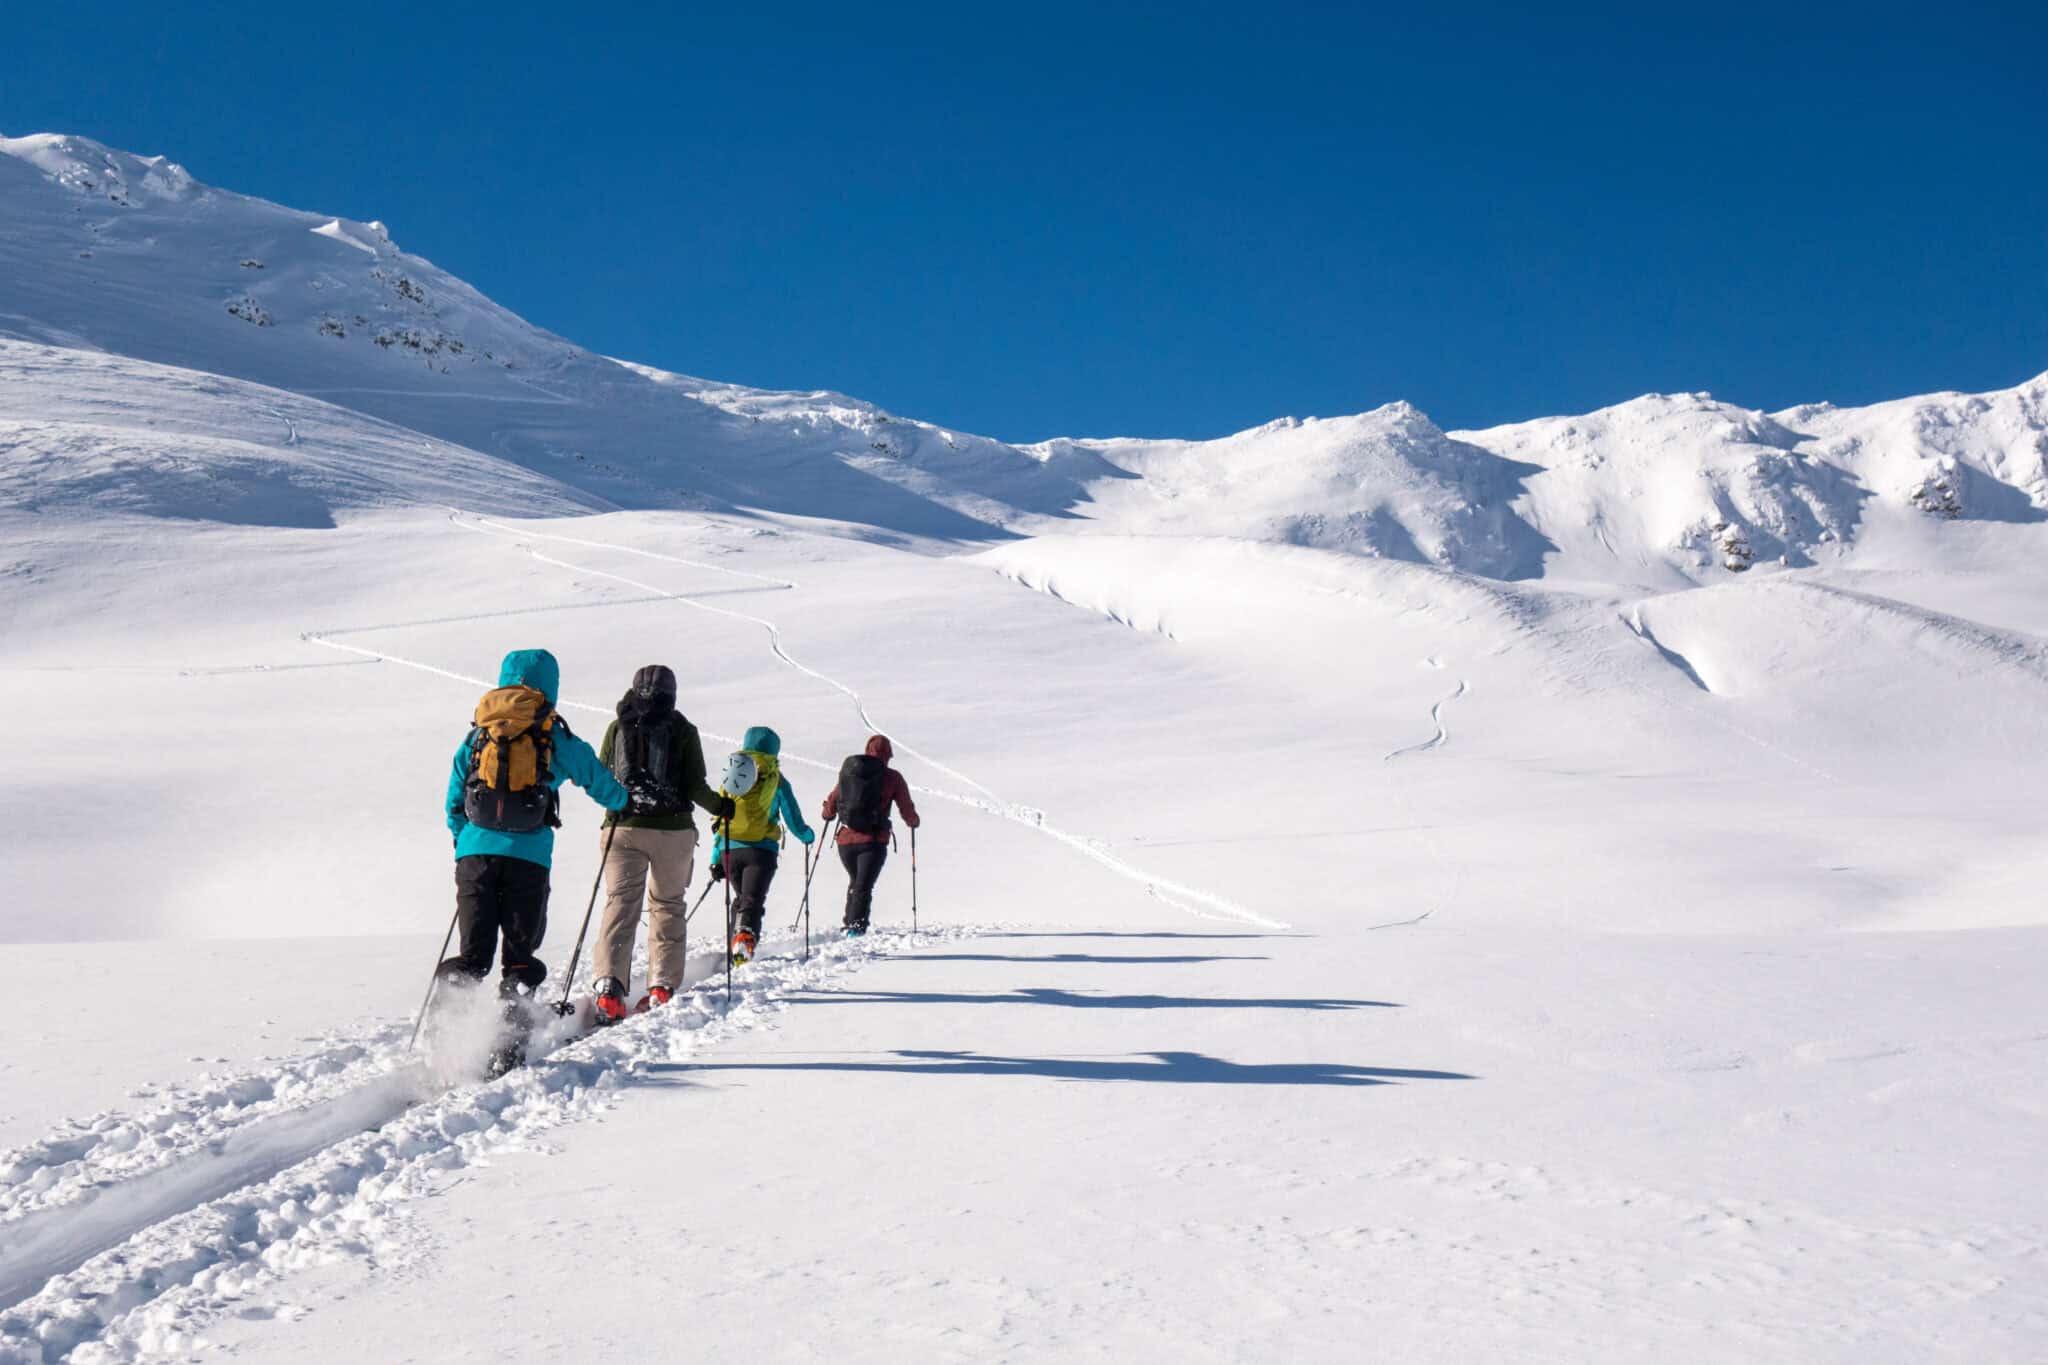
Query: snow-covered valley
{"points": [[1564, 892]]}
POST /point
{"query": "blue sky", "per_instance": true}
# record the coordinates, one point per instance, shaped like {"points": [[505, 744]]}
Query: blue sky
{"points": [[1151, 219]]}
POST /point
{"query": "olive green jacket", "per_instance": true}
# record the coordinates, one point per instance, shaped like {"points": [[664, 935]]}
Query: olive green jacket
{"points": [[688, 766]]}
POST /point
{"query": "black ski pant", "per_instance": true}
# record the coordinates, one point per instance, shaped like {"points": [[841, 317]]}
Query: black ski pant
{"points": [[863, 864], [750, 870], [496, 895]]}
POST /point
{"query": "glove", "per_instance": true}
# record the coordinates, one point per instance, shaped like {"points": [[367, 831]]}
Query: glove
{"points": [[718, 872], [809, 837], [726, 808]]}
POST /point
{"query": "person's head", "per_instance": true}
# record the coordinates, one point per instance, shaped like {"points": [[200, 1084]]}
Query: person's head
{"points": [[762, 740], [534, 668], [879, 747], [652, 695], [654, 680]]}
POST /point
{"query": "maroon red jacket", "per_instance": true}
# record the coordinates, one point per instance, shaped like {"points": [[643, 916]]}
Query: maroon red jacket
{"points": [[894, 788]]}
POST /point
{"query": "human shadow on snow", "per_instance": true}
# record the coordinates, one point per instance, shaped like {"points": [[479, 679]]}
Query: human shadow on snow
{"points": [[1174, 1068], [1147, 959], [1128, 933], [1048, 995]]}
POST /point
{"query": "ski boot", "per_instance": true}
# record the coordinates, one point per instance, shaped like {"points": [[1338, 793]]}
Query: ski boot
{"points": [[743, 944], [854, 931], [608, 1002], [656, 995], [515, 1025]]}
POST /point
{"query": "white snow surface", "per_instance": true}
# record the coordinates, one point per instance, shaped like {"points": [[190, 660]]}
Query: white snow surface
{"points": [[1565, 892]]}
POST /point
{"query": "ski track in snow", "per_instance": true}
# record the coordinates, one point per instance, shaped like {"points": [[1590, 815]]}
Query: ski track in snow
{"points": [[134, 1264], [291, 428], [1427, 832], [1436, 717], [1188, 899], [85, 1155]]}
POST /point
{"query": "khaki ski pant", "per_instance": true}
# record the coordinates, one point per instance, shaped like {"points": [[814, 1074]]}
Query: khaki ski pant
{"points": [[656, 864]]}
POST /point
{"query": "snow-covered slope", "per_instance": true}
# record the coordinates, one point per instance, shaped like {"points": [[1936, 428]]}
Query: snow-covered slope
{"points": [[1385, 483], [103, 250], [1667, 489], [87, 433]]}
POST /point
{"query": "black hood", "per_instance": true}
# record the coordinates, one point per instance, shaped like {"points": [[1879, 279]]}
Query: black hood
{"points": [[635, 709], [654, 679]]}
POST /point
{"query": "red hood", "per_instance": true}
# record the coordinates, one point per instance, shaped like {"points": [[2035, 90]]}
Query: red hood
{"points": [[878, 747]]}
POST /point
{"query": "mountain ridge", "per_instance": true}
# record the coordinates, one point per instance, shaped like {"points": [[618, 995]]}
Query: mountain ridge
{"points": [[104, 250]]}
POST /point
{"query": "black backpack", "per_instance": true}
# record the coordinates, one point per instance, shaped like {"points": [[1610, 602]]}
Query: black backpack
{"points": [[862, 806], [643, 757]]}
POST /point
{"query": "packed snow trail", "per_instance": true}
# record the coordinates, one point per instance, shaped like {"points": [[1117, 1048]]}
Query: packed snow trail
{"points": [[137, 1270], [58, 1240], [81, 1162], [1188, 899], [79, 1159]]}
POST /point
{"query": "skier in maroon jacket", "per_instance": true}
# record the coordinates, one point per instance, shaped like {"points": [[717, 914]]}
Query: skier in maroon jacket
{"points": [[867, 785]]}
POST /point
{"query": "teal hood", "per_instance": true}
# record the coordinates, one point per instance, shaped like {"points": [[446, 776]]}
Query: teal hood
{"points": [[760, 739], [537, 669]]}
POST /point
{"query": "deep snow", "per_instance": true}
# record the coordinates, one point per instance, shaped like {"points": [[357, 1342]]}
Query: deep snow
{"points": [[1565, 892]]}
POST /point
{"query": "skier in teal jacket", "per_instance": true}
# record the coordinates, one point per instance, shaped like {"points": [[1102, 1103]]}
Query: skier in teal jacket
{"points": [[501, 876]]}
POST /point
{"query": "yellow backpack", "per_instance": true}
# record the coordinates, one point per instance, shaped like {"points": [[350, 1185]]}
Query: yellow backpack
{"points": [[753, 817], [511, 751]]}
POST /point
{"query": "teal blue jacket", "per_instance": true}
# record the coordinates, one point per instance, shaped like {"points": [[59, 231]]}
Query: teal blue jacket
{"points": [[573, 759], [763, 740]]}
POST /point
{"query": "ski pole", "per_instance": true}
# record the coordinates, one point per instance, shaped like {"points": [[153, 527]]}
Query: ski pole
{"points": [[810, 870], [699, 905], [435, 979], [913, 879], [803, 911], [727, 879], [562, 1006]]}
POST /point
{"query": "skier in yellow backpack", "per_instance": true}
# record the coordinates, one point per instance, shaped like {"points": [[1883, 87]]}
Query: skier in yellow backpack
{"points": [[501, 808], [749, 844]]}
